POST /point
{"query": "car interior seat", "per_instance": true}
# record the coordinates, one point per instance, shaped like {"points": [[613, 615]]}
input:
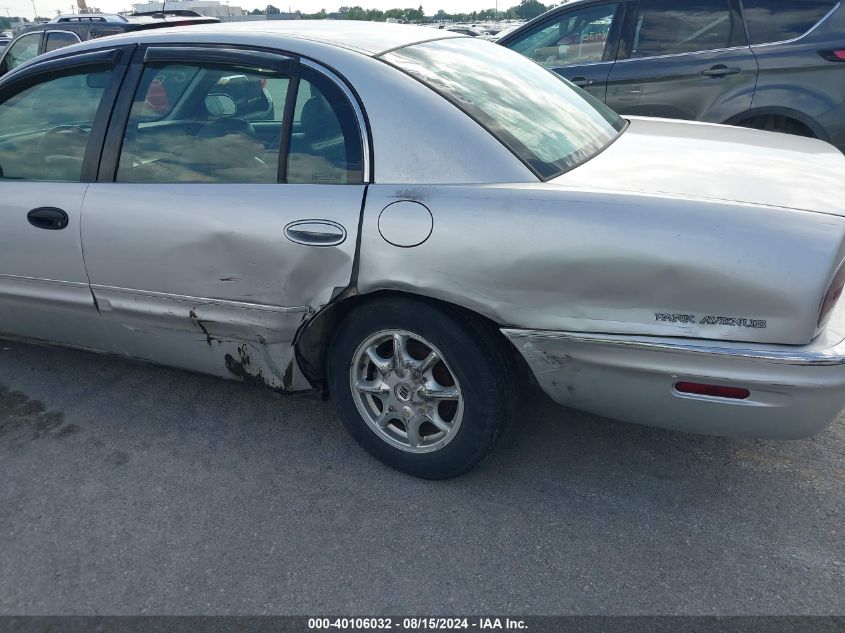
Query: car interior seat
{"points": [[318, 151], [229, 150]]}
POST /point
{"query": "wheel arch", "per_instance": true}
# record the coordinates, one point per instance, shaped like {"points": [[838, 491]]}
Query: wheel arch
{"points": [[796, 115], [314, 336]]}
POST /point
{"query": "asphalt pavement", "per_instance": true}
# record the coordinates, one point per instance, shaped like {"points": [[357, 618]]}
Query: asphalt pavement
{"points": [[133, 489]]}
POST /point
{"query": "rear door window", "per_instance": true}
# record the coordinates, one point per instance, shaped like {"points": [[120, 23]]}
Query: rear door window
{"points": [[663, 27], [781, 20], [212, 123], [197, 123]]}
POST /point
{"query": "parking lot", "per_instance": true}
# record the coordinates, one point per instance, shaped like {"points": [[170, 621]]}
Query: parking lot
{"points": [[129, 488]]}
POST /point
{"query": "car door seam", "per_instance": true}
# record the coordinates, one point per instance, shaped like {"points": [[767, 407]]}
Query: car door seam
{"points": [[82, 248]]}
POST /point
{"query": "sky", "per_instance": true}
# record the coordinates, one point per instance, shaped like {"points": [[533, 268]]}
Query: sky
{"points": [[47, 8]]}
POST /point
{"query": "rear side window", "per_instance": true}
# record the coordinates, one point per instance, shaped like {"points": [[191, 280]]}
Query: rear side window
{"points": [[665, 28], [780, 20], [59, 39]]}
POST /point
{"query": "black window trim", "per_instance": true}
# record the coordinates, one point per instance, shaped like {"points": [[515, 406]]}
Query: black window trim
{"points": [[738, 29], [117, 58], [219, 55], [824, 19], [83, 58], [287, 127]]}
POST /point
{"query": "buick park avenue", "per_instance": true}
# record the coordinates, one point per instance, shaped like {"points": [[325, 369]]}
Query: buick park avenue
{"points": [[421, 221]]}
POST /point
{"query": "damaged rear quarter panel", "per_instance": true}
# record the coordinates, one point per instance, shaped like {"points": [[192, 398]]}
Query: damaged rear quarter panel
{"points": [[549, 257]]}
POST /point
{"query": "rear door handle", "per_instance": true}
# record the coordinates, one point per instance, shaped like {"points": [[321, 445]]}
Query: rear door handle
{"points": [[721, 71], [315, 233], [49, 218], [582, 81]]}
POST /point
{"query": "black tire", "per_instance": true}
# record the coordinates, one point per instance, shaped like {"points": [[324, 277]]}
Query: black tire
{"points": [[476, 356]]}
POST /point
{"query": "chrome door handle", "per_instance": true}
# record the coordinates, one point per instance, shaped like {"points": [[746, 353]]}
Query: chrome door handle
{"points": [[315, 233]]}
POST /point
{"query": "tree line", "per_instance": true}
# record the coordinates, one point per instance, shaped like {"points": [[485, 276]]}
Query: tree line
{"points": [[525, 10]]}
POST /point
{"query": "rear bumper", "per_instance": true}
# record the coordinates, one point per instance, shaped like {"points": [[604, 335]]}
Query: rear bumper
{"points": [[796, 391]]}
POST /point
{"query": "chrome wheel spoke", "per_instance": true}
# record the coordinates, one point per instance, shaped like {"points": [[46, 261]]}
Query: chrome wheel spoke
{"points": [[412, 427], [384, 419], [400, 354], [433, 391], [439, 423], [383, 365], [372, 387], [422, 366]]}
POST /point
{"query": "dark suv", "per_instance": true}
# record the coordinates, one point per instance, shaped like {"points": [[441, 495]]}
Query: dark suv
{"points": [[769, 64], [65, 30]]}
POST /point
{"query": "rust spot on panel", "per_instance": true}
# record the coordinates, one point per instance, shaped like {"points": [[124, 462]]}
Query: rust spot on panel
{"points": [[417, 195]]}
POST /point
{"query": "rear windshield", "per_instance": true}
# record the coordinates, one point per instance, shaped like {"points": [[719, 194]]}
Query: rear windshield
{"points": [[543, 119]]}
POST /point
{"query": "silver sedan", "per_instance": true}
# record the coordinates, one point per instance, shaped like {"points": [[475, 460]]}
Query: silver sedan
{"points": [[411, 222]]}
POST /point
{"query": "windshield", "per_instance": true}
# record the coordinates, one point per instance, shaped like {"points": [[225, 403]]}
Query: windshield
{"points": [[548, 123]]}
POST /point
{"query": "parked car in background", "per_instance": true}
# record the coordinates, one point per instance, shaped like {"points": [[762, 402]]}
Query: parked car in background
{"points": [[464, 30], [427, 216], [769, 64], [64, 30]]}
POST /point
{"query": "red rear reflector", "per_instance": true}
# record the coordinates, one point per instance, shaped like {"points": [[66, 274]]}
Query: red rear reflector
{"points": [[837, 55], [717, 391]]}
